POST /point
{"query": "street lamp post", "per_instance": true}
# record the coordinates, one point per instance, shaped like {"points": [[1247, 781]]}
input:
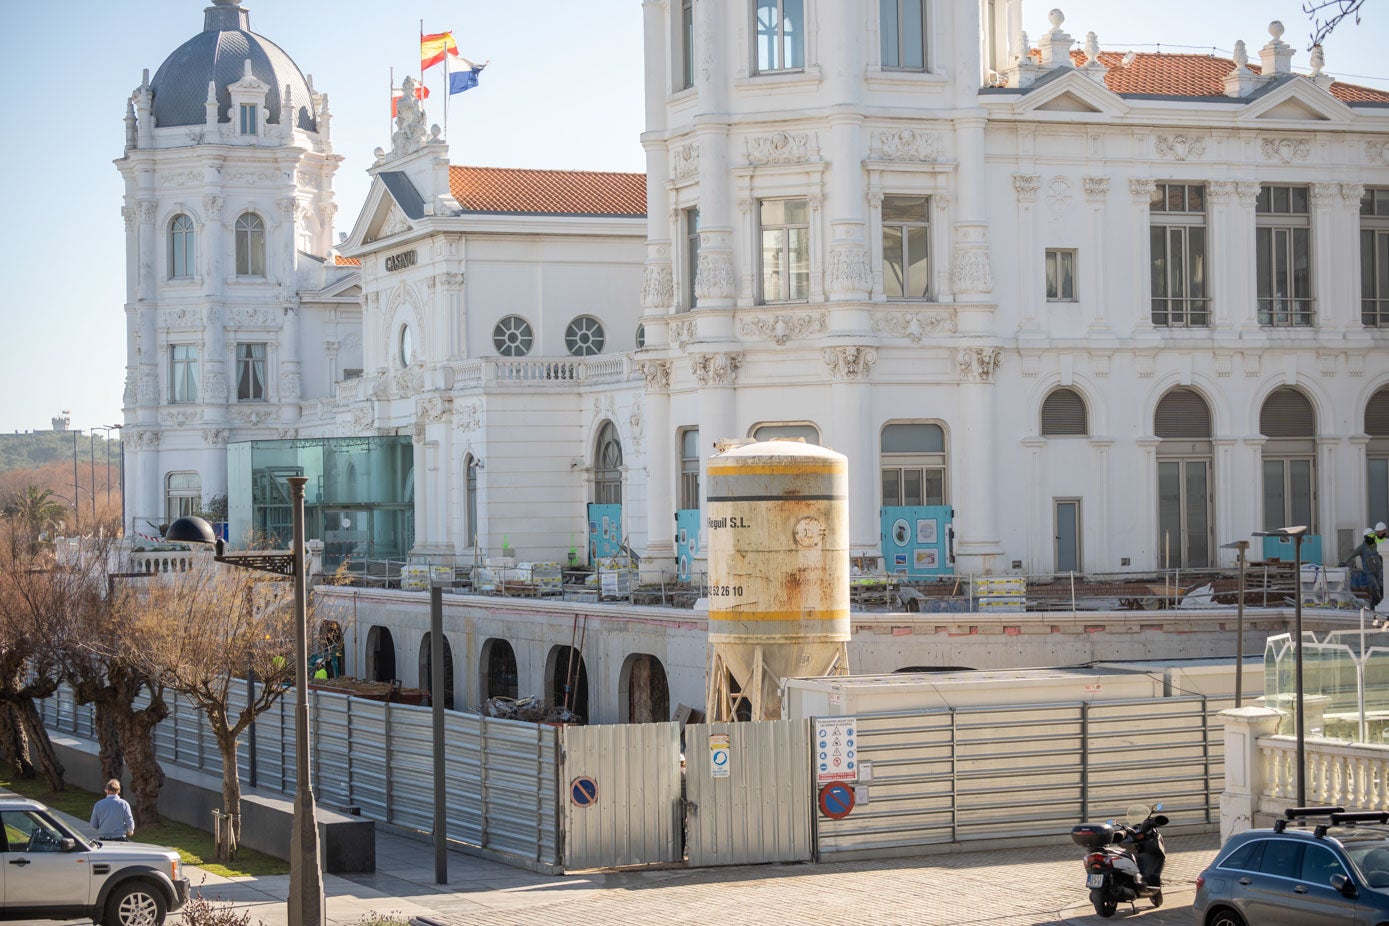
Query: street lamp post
{"points": [[107, 428], [1242, 546], [1295, 533], [306, 903]]}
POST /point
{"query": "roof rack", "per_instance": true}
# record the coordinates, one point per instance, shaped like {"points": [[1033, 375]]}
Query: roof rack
{"points": [[1298, 813], [1369, 816]]}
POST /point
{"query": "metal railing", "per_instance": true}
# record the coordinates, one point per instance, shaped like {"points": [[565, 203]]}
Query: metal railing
{"points": [[1287, 313], [1181, 312]]}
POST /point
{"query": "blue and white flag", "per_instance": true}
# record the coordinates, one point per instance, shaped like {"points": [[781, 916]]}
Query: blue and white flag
{"points": [[465, 79]]}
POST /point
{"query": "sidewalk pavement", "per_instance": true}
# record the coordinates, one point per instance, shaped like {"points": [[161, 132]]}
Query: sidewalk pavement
{"points": [[1033, 886]]}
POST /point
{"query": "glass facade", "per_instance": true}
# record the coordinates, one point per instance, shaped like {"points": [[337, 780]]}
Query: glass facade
{"points": [[359, 499]]}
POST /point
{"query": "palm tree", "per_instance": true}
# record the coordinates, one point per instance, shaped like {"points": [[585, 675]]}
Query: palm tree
{"points": [[33, 510]]}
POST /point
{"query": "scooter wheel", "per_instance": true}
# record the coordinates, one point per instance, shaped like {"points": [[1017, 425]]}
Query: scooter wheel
{"points": [[1157, 899], [1104, 906]]}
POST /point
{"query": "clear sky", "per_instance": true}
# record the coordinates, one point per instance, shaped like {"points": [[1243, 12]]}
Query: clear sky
{"points": [[563, 90]]}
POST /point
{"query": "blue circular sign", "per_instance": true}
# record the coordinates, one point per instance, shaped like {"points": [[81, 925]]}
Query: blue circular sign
{"points": [[583, 791], [836, 800]]}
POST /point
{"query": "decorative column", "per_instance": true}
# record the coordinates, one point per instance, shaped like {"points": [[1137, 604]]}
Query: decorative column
{"points": [[1025, 187], [1145, 526], [1347, 286], [1331, 314], [1245, 312], [1096, 192], [1327, 485], [1253, 482], [944, 290], [1222, 483], [1141, 189], [716, 374], [291, 388], [851, 428], [714, 277], [1222, 242], [849, 277], [658, 559], [971, 266], [1096, 511], [977, 547], [1034, 515], [454, 338], [146, 510]]}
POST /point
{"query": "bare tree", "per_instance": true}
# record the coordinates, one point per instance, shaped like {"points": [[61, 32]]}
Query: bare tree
{"points": [[196, 632], [1327, 15]]}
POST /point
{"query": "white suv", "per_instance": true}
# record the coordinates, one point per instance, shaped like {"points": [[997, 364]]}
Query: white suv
{"points": [[52, 873]]}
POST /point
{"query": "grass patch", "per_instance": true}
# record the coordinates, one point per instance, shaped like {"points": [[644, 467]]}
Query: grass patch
{"points": [[194, 846]]}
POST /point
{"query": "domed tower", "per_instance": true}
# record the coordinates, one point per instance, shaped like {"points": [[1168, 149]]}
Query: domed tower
{"points": [[228, 210]]}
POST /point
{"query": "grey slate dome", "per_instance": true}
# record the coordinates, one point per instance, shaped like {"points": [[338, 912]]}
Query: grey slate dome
{"points": [[218, 53]]}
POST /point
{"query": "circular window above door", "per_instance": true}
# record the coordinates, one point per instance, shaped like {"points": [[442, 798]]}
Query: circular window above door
{"points": [[584, 336], [512, 337]]}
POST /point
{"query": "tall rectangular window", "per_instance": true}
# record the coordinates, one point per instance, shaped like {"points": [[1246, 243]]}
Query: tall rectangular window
{"points": [[906, 253], [689, 468], [685, 76], [183, 495], [779, 27], [250, 372], [1283, 245], [248, 119], [785, 225], [1061, 275], [182, 247], [1374, 258], [903, 33], [691, 256], [1178, 239], [183, 373], [1289, 493]]}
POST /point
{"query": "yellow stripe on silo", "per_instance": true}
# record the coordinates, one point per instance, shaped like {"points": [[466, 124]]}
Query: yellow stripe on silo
{"points": [[777, 469], [829, 614]]}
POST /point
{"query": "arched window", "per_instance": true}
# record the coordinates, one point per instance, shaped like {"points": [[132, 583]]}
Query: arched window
{"points": [[498, 676], [787, 431], [250, 245], [427, 668], [1377, 455], [1182, 423], [568, 678], [470, 501], [183, 495], [380, 654], [913, 464], [1064, 414], [607, 476], [182, 249], [1289, 423]]}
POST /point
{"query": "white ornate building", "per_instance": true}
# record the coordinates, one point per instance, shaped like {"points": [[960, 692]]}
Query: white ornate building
{"points": [[1061, 308]]}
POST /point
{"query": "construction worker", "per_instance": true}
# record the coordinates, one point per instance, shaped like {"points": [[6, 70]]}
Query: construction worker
{"points": [[1372, 563]]}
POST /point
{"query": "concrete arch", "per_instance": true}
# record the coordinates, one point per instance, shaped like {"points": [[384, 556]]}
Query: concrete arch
{"points": [[1209, 391], [380, 655], [402, 307], [1095, 408], [643, 691], [1362, 400], [497, 671], [427, 665], [566, 679], [1321, 403]]}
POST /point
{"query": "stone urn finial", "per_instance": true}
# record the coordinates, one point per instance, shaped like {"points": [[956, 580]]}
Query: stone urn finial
{"points": [[1056, 18]]}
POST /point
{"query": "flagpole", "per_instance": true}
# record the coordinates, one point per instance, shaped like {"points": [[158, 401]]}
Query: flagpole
{"points": [[422, 53], [447, 94], [391, 95]]}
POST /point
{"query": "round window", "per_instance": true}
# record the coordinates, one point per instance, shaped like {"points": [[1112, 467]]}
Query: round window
{"points": [[641, 336], [512, 337], [407, 346], [584, 336]]}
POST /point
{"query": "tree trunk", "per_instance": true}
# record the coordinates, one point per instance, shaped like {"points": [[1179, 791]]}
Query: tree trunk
{"points": [[108, 739], [13, 741], [40, 746], [146, 774], [230, 836]]}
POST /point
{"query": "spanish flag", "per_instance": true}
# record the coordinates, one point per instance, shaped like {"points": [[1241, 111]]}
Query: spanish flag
{"points": [[434, 47]]}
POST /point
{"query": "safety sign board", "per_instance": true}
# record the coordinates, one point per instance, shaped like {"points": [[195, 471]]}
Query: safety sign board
{"points": [[836, 800], [718, 755], [836, 749], [583, 791]]}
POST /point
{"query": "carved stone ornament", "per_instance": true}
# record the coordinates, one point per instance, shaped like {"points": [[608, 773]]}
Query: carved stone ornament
{"points": [[1142, 189], [908, 145], [418, 432], [851, 362], [408, 381], [972, 273], [1377, 152], [149, 389], [395, 223], [1180, 147], [215, 386], [636, 426], [184, 318], [848, 271], [681, 332], [148, 209], [1248, 191], [178, 178], [1096, 188], [684, 161], [147, 440], [914, 325], [409, 121], [468, 417], [978, 364], [781, 148], [1060, 196], [1352, 192], [178, 417], [215, 437], [450, 282], [714, 278], [252, 176], [362, 417], [251, 318], [212, 205], [130, 394], [716, 369], [657, 286], [1026, 187], [253, 417], [1286, 150], [128, 214], [656, 374], [1222, 191], [289, 386], [781, 328], [1326, 192]]}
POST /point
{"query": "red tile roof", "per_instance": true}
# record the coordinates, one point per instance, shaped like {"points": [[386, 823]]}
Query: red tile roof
{"points": [[548, 192], [341, 261], [1193, 75]]}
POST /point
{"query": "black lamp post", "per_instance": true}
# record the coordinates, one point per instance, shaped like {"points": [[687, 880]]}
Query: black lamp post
{"points": [[306, 903], [1295, 533]]}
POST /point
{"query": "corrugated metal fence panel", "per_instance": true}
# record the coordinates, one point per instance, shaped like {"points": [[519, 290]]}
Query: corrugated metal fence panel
{"points": [[369, 731], [762, 811], [636, 817], [412, 767], [468, 789], [952, 776], [331, 719]]}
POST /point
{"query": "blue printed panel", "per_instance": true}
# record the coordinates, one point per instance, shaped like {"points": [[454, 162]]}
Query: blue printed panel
{"points": [[916, 540], [604, 531], [686, 541], [1281, 548]]}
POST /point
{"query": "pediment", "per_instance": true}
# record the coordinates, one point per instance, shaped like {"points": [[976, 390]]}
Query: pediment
{"points": [[381, 217], [1071, 92], [1296, 99]]}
